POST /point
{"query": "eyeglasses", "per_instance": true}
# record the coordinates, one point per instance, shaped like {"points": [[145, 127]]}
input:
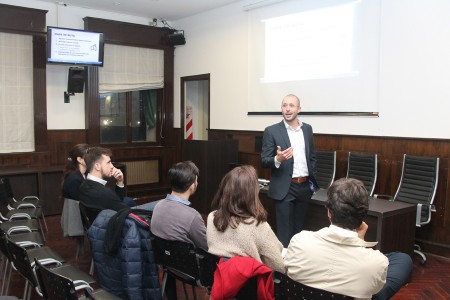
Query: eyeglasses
{"points": [[291, 105]]}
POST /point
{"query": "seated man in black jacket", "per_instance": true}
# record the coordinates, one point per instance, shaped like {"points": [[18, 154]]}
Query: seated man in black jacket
{"points": [[93, 193]]}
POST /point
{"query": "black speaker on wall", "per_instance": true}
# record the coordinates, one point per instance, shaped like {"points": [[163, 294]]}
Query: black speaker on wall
{"points": [[177, 38], [75, 83]]}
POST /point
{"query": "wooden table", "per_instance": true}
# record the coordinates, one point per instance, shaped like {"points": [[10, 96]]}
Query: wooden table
{"points": [[391, 223]]}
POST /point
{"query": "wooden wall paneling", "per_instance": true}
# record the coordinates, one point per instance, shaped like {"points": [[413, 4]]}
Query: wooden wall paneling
{"points": [[213, 159], [60, 143], [22, 19], [50, 191], [40, 92], [24, 184]]}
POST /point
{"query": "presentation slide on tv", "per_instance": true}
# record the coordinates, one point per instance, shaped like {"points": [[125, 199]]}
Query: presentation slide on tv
{"points": [[75, 47]]}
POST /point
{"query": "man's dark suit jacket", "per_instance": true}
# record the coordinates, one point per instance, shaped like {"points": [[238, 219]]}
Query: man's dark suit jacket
{"points": [[95, 195], [280, 180]]}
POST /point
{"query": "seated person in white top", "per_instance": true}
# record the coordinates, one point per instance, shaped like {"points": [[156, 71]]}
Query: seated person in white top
{"points": [[337, 259]]}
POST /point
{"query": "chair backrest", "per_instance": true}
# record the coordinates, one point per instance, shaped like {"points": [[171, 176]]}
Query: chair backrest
{"points": [[22, 263], [419, 180], [4, 245], [8, 189], [363, 166], [179, 258], [88, 215], [288, 289], [3, 195], [207, 264], [326, 168], [54, 286]]}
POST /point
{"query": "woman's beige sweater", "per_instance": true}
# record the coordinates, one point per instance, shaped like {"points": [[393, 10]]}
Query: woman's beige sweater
{"points": [[259, 242]]}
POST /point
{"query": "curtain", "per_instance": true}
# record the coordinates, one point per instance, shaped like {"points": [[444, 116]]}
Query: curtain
{"points": [[149, 99], [16, 93], [129, 68]]}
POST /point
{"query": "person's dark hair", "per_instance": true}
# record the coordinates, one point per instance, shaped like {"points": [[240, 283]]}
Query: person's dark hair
{"points": [[182, 175], [78, 150], [237, 199], [72, 162], [348, 203], [94, 155]]}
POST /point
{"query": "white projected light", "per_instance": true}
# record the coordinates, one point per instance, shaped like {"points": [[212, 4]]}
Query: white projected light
{"points": [[310, 45], [325, 51]]}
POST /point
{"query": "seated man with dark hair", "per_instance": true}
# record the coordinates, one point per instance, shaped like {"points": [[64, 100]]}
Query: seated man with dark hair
{"points": [[173, 219], [337, 259], [93, 193]]}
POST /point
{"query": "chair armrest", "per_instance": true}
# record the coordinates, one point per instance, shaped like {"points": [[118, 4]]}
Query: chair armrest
{"points": [[28, 244], [30, 197], [386, 197], [18, 229], [424, 213], [82, 285], [20, 216], [25, 205]]}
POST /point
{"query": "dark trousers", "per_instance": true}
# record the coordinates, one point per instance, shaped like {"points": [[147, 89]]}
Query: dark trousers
{"points": [[291, 211], [398, 274]]}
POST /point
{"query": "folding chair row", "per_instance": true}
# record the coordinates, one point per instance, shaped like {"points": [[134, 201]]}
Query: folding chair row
{"points": [[28, 208], [22, 255]]}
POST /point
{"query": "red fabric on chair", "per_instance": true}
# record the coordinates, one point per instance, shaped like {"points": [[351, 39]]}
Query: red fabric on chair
{"points": [[231, 275]]}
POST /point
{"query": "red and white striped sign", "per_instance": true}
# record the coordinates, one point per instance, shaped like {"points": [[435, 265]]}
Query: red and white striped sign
{"points": [[189, 130]]}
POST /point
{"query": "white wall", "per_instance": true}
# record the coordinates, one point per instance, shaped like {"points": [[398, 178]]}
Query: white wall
{"points": [[414, 82], [414, 78], [71, 115]]}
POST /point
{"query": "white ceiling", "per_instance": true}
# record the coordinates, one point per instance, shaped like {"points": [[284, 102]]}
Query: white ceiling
{"points": [[169, 10]]}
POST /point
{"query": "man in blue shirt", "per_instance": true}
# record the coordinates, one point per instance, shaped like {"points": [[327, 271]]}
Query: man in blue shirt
{"points": [[173, 218]]}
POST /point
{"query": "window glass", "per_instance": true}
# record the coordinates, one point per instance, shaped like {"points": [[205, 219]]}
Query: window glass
{"points": [[113, 118]]}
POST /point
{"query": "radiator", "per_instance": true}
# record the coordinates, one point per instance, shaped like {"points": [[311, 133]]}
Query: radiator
{"points": [[141, 172]]}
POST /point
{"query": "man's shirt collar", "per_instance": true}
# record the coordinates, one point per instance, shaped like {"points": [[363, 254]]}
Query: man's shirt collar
{"points": [[178, 199], [343, 232], [94, 178], [289, 126]]}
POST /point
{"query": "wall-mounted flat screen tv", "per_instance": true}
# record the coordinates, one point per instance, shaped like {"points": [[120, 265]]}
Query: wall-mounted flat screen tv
{"points": [[74, 47]]}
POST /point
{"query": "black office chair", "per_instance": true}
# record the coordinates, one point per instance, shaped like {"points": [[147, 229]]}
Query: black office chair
{"points": [[177, 259], [326, 168], [363, 166], [288, 289], [58, 287], [418, 185]]}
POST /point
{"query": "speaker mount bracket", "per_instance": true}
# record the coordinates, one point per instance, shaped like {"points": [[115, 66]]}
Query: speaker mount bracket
{"points": [[67, 97]]}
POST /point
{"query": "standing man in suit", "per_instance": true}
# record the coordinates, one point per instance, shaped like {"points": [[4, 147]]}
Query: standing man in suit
{"points": [[288, 149]]}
